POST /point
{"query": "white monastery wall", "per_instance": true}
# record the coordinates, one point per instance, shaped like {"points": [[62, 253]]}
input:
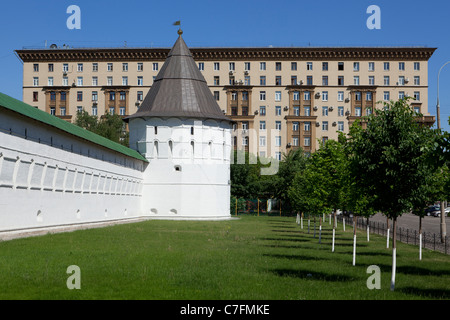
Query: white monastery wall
{"points": [[43, 185]]}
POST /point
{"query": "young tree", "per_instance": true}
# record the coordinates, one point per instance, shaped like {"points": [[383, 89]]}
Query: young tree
{"points": [[386, 161]]}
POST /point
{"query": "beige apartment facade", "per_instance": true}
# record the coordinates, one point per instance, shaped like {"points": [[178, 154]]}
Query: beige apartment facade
{"points": [[280, 98]]}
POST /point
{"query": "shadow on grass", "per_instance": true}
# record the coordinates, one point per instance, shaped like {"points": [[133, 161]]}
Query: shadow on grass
{"points": [[312, 275], [292, 257], [427, 293], [413, 270]]}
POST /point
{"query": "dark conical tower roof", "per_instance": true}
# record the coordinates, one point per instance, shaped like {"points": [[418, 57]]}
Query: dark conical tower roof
{"points": [[180, 90]]}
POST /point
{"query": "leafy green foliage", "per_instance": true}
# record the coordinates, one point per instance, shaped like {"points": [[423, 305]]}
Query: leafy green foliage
{"points": [[110, 126]]}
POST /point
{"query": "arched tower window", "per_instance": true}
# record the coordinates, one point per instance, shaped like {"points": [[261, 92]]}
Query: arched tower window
{"points": [[155, 149]]}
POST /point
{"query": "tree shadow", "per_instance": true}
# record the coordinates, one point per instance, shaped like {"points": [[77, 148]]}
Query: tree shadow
{"points": [[427, 293], [292, 257], [312, 275], [290, 239]]}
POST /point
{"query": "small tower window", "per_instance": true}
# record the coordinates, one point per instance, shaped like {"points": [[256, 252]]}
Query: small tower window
{"points": [[192, 130], [156, 129]]}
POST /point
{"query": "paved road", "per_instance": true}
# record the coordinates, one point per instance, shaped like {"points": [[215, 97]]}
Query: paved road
{"points": [[410, 221]]}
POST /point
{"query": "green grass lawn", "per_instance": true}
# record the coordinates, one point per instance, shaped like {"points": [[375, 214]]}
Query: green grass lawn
{"points": [[250, 258]]}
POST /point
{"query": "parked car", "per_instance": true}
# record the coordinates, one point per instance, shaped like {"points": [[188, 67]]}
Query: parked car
{"points": [[434, 211]]}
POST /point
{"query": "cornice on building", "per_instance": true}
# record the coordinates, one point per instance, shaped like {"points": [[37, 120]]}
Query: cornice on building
{"points": [[229, 54]]}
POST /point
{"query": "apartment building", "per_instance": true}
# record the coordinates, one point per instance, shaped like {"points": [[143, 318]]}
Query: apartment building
{"points": [[279, 98]]}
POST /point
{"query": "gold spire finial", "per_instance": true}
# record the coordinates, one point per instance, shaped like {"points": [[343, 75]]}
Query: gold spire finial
{"points": [[180, 32]]}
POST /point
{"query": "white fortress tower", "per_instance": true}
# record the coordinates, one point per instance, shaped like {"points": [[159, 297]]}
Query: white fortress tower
{"points": [[183, 133]]}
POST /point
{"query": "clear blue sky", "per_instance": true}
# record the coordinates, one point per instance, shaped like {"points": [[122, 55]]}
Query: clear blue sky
{"points": [[208, 23]]}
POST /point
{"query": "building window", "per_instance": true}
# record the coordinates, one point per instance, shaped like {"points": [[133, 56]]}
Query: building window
{"points": [[277, 141], [262, 141], [386, 66], [247, 66], [80, 67], [368, 111], [109, 81], [50, 67], [386, 80], [65, 67], [340, 111], [262, 125], [35, 96], [416, 80], [262, 110], [368, 96], [340, 80], [296, 96], [307, 141], [340, 96], [371, 80], [124, 81], [295, 141], [307, 126], [52, 96], [95, 81], [401, 94], [201, 66], [278, 80], [79, 109], [307, 96], [109, 67], [50, 81], [277, 66], [94, 96], [277, 95], [95, 67], [401, 80], [262, 96], [36, 67], [356, 80], [324, 125], [293, 66], [155, 66], [216, 95], [416, 66], [309, 66], [324, 95], [35, 81], [355, 66], [122, 111], [296, 111], [340, 126], [307, 111], [325, 111], [262, 80], [62, 96], [140, 81], [111, 110], [124, 67], [295, 126], [140, 66], [278, 110], [245, 141], [52, 111], [80, 81], [140, 95], [386, 96], [244, 95], [357, 96], [123, 96], [358, 111], [278, 125], [216, 66], [371, 66], [401, 66], [309, 80], [94, 110], [417, 95], [262, 66], [324, 66], [340, 66], [324, 80], [79, 95], [216, 80], [231, 66], [62, 111]]}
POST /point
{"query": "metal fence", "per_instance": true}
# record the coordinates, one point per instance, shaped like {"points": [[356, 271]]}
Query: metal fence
{"points": [[430, 240]]}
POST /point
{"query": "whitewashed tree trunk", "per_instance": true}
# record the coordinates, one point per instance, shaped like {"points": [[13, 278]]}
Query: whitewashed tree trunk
{"points": [[301, 221], [387, 233], [394, 254]]}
